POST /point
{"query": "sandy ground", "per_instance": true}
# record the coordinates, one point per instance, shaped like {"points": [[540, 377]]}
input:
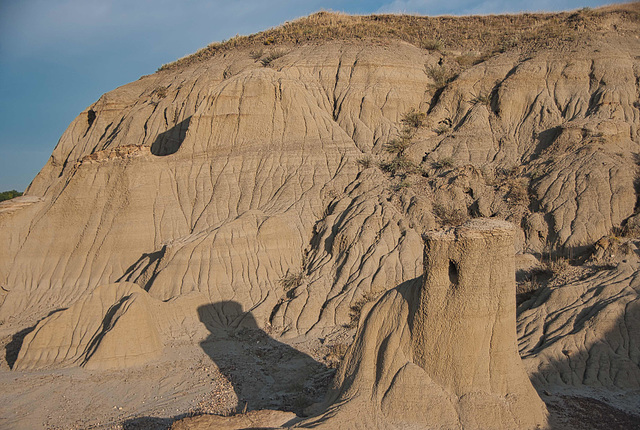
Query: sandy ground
{"points": [[227, 373]]}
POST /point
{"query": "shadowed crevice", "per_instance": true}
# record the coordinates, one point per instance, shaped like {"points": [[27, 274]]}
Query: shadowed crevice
{"points": [[12, 350], [169, 142], [145, 270]]}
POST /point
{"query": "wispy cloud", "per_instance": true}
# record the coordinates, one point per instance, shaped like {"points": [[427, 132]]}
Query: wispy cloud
{"points": [[465, 7]]}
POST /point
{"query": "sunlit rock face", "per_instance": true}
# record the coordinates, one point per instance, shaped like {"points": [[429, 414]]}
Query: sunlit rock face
{"points": [[440, 352], [283, 188]]}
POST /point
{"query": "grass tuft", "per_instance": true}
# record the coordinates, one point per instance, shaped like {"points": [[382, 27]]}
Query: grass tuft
{"points": [[399, 165], [271, 56], [444, 163], [449, 216]]}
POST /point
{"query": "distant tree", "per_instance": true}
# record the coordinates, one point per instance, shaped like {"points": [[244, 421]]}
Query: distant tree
{"points": [[6, 195]]}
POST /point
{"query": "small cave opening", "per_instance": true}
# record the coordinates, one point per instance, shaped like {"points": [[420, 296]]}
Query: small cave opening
{"points": [[453, 272]]}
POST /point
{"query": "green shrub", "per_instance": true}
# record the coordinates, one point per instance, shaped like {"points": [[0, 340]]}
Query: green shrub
{"points": [[432, 45], [291, 281], [484, 99], [401, 185], [7, 195], [366, 161], [440, 75], [397, 146]]}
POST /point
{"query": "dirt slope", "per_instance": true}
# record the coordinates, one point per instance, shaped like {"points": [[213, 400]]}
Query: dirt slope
{"points": [[285, 180]]}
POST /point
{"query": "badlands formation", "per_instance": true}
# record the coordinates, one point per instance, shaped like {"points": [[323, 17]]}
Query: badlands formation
{"points": [[384, 222]]}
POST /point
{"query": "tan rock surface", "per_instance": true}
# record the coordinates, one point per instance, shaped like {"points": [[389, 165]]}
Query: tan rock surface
{"points": [[441, 352], [263, 419], [111, 328], [281, 188], [585, 333]]}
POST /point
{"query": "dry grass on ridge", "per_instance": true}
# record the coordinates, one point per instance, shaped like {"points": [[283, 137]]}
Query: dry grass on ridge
{"points": [[488, 34]]}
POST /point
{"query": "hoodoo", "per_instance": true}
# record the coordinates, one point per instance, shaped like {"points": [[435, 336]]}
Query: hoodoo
{"points": [[441, 352]]}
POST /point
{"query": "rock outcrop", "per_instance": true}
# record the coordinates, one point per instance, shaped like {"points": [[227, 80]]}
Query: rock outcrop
{"points": [[440, 352], [293, 173], [585, 333], [116, 326]]}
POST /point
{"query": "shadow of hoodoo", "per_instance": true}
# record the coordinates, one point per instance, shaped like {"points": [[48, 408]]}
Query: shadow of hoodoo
{"points": [[265, 373]]}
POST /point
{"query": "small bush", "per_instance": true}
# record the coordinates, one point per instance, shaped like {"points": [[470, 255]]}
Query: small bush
{"points": [[398, 165], [444, 126], [356, 309], [401, 185], [440, 75], [526, 289], [507, 44], [256, 54], [518, 191], [432, 45], [442, 129], [556, 265], [414, 118], [536, 173], [226, 74], [366, 161], [630, 229], [527, 286], [468, 59], [291, 281], [397, 146], [444, 163], [484, 99], [335, 354], [8, 195], [161, 92], [449, 216], [273, 55]]}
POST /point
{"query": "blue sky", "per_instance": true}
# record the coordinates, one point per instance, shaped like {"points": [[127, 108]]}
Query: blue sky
{"points": [[58, 56]]}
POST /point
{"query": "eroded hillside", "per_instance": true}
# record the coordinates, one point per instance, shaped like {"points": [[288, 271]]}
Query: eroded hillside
{"points": [[287, 179]]}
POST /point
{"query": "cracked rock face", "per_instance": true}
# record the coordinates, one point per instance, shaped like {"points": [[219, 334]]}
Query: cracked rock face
{"points": [[585, 333], [441, 352], [229, 181]]}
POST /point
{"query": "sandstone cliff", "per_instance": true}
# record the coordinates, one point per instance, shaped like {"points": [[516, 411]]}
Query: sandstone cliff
{"points": [[295, 171]]}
